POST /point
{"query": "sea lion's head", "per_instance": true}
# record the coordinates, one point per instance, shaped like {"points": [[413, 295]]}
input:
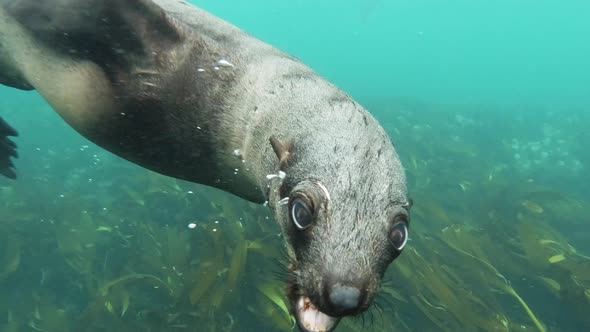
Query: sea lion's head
{"points": [[344, 214]]}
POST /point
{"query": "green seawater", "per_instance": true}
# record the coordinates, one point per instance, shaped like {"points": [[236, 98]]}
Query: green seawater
{"points": [[488, 105]]}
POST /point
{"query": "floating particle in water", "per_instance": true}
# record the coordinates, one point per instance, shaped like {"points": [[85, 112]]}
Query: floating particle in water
{"points": [[281, 175], [201, 70], [192, 225], [225, 63]]}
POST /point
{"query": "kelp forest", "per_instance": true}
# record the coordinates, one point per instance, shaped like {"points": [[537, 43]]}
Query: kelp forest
{"points": [[499, 235]]}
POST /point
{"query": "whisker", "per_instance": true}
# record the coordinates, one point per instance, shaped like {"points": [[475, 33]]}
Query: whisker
{"points": [[379, 309], [363, 321], [284, 264], [387, 282], [279, 276], [385, 300]]}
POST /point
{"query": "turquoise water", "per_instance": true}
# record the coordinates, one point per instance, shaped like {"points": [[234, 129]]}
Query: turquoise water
{"points": [[517, 53], [487, 103]]}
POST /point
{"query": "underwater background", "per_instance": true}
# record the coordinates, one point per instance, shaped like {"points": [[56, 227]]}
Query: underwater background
{"points": [[488, 104]]}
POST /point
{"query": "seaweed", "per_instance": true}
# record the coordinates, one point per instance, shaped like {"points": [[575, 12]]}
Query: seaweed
{"points": [[492, 244]]}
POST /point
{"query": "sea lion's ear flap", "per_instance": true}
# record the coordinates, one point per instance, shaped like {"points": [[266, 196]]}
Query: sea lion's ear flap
{"points": [[283, 151]]}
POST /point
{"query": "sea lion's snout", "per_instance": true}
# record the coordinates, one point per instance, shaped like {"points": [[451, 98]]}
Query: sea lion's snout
{"points": [[320, 308], [344, 298]]}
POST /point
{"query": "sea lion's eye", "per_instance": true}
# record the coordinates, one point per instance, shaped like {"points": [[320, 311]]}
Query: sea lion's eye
{"points": [[301, 213], [399, 234]]}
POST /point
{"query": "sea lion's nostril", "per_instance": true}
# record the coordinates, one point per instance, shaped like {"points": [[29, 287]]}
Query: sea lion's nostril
{"points": [[344, 298]]}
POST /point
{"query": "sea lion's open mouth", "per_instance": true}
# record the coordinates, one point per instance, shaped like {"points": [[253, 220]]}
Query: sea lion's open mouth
{"points": [[310, 319]]}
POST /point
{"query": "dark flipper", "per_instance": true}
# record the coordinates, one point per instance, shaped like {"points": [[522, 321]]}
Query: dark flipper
{"points": [[116, 57], [7, 150], [107, 32]]}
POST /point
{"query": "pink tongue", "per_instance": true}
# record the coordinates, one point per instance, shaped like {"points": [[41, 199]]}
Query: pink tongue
{"points": [[311, 319]]}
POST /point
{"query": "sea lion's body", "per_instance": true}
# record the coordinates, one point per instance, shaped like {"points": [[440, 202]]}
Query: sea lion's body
{"points": [[193, 137], [181, 92]]}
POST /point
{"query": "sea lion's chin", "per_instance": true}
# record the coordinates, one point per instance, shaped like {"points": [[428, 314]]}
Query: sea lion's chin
{"points": [[310, 319]]}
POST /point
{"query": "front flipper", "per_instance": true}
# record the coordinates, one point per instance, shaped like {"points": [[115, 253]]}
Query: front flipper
{"points": [[88, 65], [7, 150]]}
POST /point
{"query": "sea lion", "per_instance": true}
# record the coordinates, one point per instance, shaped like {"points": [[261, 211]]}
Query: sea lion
{"points": [[176, 90]]}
